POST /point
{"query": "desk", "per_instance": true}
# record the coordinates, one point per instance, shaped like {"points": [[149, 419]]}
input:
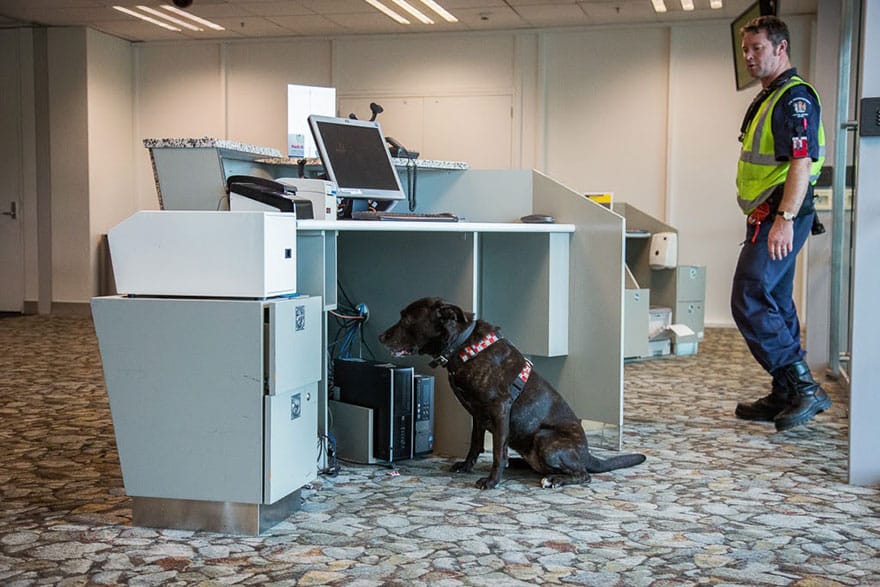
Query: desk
{"points": [[555, 290], [387, 265]]}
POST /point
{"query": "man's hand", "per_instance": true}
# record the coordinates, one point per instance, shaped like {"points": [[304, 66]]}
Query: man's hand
{"points": [[781, 238]]}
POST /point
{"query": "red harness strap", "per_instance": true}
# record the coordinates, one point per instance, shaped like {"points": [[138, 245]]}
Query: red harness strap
{"points": [[471, 351]]}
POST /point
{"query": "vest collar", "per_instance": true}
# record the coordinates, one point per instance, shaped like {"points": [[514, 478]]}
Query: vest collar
{"points": [[777, 83]]}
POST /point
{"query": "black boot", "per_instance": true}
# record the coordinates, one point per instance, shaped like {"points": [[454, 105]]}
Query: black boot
{"points": [[805, 397], [766, 408]]}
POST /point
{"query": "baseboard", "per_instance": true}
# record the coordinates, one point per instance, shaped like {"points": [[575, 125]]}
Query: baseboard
{"points": [[63, 309]]}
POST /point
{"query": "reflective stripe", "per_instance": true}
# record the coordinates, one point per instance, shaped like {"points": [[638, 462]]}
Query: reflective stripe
{"points": [[758, 159]]}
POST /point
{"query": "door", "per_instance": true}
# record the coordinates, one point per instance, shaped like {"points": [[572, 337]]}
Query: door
{"points": [[11, 247], [11, 256]]}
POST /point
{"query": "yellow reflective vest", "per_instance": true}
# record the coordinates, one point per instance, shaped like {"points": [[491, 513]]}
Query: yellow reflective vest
{"points": [[758, 171]]}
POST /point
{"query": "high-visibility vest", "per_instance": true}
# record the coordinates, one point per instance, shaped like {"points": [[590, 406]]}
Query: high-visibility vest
{"points": [[758, 172]]}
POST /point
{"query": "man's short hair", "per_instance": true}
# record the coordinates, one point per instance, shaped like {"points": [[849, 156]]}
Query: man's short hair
{"points": [[776, 30]]}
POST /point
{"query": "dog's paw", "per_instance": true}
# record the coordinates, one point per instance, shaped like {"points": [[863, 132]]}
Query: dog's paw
{"points": [[462, 467], [487, 483], [555, 481]]}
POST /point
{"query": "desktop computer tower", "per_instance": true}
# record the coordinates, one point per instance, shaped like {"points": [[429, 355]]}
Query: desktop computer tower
{"points": [[387, 390], [423, 415]]}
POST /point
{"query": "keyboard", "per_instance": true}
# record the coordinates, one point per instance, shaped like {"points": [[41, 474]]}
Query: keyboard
{"points": [[405, 216]]}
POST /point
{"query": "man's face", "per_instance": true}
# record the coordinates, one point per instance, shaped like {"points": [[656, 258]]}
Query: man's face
{"points": [[762, 58]]}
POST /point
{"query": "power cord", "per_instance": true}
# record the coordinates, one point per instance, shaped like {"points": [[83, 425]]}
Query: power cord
{"points": [[327, 445]]}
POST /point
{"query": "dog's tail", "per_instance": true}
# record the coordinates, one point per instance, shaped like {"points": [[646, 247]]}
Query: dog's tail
{"points": [[596, 465]]}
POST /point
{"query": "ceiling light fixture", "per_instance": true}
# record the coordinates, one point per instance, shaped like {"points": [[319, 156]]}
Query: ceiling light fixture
{"points": [[716, 4], [149, 19], [444, 14], [659, 5], [420, 16], [687, 5], [170, 18], [193, 17], [387, 11]]}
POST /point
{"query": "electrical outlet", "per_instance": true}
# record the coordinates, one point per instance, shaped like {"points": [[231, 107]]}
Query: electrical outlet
{"points": [[870, 117]]}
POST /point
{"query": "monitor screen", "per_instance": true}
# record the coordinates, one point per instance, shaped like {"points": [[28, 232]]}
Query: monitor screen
{"points": [[356, 158], [758, 8]]}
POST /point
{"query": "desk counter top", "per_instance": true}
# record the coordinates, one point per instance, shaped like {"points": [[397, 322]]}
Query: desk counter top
{"points": [[423, 226]]}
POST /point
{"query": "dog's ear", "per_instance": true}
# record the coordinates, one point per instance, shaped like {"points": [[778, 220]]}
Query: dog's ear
{"points": [[451, 313]]}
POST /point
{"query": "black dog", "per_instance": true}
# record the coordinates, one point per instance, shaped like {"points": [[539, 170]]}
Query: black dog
{"points": [[503, 395]]}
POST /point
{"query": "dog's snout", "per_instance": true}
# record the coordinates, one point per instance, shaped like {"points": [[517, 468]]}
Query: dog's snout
{"points": [[384, 337]]}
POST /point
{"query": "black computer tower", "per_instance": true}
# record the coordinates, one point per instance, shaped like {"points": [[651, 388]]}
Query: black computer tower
{"points": [[388, 390], [423, 415]]}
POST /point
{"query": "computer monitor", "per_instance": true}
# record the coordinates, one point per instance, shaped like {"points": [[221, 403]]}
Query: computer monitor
{"points": [[356, 158]]}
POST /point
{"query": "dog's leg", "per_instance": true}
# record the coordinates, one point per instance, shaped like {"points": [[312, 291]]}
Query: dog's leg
{"points": [[560, 456], [500, 432], [478, 435]]}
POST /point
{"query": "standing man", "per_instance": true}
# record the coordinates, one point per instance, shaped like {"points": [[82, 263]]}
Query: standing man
{"points": [[783, 148]]}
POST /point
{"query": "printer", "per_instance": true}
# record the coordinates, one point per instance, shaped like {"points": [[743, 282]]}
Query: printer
{"points": [[249, 193], [321, 193]]}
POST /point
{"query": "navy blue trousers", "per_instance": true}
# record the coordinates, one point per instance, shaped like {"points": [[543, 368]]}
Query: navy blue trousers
{"points": [[761, 298]]}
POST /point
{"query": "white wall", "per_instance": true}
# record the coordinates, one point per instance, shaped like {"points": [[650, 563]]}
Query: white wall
{"points": [[704, 120], [180, 91], [110, 138], [605, 111], [90, 153], [68, 148], [649, 112]]}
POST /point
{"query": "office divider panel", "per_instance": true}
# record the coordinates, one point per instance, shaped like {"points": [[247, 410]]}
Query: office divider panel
{"points": [[590, 378]]}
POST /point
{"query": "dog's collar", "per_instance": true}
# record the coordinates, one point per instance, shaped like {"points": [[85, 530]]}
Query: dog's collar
{"points": [[443, 358]]}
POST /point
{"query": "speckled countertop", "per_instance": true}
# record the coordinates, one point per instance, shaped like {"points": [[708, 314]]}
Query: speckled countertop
{"points": [[271, 156], [209, 143]]}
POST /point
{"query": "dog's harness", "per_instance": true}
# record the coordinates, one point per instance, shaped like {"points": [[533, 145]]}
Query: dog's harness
{"points": [[469, 352]]}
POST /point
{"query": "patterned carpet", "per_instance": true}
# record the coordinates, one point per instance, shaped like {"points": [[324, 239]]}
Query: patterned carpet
{"points": [[718, 502]]}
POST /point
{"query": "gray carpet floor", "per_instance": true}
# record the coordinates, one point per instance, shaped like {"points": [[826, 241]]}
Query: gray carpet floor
{"points": [[718, 502]]}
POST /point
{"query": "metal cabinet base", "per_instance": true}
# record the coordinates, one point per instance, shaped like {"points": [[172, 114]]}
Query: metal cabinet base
{"points": [[213, 516]]}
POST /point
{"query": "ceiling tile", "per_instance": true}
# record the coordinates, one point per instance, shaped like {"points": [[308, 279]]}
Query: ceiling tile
{"points": [[496, 17], [552, 15], [251, 26], [309, 24], [288, 8], [338, 6]]}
